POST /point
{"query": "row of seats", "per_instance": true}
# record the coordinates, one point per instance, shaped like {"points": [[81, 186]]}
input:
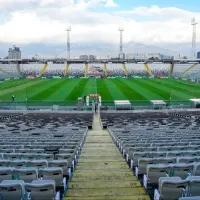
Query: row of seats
{"points": [[37, 189], [156, 145], [42, 146], [18, 164], [28, 174], [175, 188]]}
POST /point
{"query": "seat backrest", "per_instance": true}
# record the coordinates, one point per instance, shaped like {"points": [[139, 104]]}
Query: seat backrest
{"points": [[17, 163], [167, 160], [186, 159], [194, 185], [158, 154], [52, 173], [154, 172], [59, 163], [37, 163], [138, 155], [6, 173], [143, 163], [29, 156], [26, 174], [45, 157], [172, 187], [12, 156], [4, 163], [41, 190], [182, 170], [174, 154], [12, 189]]}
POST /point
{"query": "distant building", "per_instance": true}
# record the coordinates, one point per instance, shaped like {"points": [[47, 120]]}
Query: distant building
{"points": [[136, 56], [92, 57], [198, 55], [87, 57], [14, 53], [84, 57], [121, 56], [157, 56]]}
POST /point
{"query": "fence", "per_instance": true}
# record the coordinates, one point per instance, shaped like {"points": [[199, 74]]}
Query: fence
{"points": [[72, 105]]}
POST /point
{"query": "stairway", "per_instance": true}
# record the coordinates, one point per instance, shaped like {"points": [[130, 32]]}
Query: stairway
{"points": [[43, 69], [148, 69], [125, 70], [102, 172], [66, 69], [86, 70], [105, 70]]}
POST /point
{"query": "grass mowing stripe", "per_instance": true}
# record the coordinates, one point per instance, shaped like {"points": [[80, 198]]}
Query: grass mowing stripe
{"points": [[19, 91], [60, 93], [89, 87], [155, 90], [47, 90], [130, 92], [175, 85], [115, 92], [77, 90], [176, 91], [103, 91], [144, 90], [13, 83]]}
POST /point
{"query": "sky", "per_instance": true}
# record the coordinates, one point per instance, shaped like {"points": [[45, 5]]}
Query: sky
{"points": [[151, 22]]}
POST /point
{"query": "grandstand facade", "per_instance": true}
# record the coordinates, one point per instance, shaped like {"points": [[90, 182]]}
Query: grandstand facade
{"points": [[13, 69]]}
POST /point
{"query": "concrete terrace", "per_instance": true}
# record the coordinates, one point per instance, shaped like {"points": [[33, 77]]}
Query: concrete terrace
{"points": [[102, 172]]}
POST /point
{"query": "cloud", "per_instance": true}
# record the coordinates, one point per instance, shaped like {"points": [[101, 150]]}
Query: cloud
{"points": [[45, 21]]}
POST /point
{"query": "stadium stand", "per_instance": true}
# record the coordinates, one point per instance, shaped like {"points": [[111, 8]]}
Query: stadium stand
{"points": [[161, 148], [54, 70], [115, 70], [96, 70], [76, 70], [159, 69], [179, 69], [32, 69], [29, 152], [136, 70], [9, 71]]}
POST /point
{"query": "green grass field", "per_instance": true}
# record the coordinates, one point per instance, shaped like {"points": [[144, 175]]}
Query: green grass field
{"points": [[63, 90]]}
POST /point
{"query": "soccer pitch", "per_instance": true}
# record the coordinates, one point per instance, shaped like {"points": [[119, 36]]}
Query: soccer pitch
{"points": [[63, 90]]}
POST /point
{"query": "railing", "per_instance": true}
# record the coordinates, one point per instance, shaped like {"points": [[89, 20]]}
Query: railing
{"points": [[72, 105]]}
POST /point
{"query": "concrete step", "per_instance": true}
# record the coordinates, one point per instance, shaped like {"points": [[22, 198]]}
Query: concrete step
{"points": [[102, 165], [101, 184], [103, 178], [106, 192], [138, 197], [102, 173]]}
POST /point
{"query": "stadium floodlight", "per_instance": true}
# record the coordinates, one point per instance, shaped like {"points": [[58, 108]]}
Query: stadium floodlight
{"points": [[68, 42], [121, 39], [194, 23]]}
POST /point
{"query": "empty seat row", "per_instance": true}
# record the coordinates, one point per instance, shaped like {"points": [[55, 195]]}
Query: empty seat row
{"points": [[37, 189], [174, 188], [154, 172], [166, 157], [30, 174]]}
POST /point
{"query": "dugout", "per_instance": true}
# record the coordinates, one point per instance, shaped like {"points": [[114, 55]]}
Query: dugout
{"points": [[158, 104], [122, 105], [195, 103]]}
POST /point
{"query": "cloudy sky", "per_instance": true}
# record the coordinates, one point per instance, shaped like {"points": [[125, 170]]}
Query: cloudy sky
{"points": [[151, 22]]}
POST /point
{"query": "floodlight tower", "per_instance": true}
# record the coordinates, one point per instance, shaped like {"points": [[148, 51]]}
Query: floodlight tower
{"points": [[194, 23], [121, 30], [68, 42]]}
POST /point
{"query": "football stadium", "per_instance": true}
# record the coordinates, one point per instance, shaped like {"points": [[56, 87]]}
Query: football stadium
{"points": [[51, 84], [99, 130]]}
